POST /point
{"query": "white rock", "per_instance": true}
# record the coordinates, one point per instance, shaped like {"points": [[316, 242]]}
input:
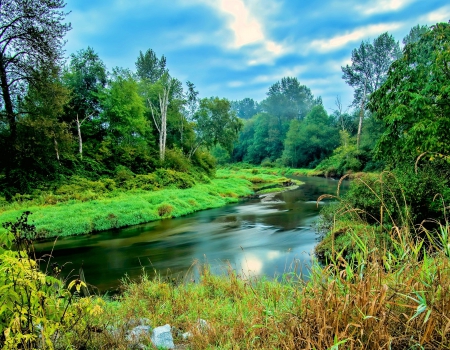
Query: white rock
{"points": [[162, 337], [138, 334], [186, 335]]}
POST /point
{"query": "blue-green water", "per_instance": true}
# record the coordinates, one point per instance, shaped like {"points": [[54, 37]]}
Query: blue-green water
{"points": [[253, 237]]}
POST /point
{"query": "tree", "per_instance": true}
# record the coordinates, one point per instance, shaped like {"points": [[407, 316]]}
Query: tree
{"points": [[85, 77], [168, 90], [415, 34], [288, 100], [414, 102], [127, 129], [190, 107], [149, 67], [31, 39], [368, 71], [245, 108], [215, 123], [310, 140]]}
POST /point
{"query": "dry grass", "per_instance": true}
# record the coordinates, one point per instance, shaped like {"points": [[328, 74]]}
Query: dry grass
{"points": [[379, 300]]}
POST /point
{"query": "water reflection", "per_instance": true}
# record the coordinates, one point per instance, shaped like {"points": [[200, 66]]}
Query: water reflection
{"points": [[254, 238]]}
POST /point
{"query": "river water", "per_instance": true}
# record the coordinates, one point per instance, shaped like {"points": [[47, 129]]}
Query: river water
{"points": [[253, 237]]}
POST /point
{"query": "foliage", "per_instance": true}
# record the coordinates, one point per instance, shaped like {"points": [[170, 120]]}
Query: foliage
{"points": [[311, 140], [245, 108], [37, 310], [215, 124], [149, 67], [413, 104], [370, 64], [344, 159]]}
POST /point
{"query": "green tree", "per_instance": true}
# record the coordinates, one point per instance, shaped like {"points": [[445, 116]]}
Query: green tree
{"points": [[288, 99], [311, 140], [414, 34], [267, 140], [245, 108], [31, 40], [215, 124], [86, 77], [31, 37], [149, 67], [414, 102], [368, 71], [128, 131]]}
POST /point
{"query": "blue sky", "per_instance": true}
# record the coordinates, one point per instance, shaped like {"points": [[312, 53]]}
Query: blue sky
{"points": [[239, 48]]}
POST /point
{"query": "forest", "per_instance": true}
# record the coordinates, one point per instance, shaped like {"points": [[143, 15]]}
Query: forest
{"points": [[89, 148]]}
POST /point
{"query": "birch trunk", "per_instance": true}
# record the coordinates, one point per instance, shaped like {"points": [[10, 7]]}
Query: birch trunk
{"points": [[80, 140], [162, 125]]}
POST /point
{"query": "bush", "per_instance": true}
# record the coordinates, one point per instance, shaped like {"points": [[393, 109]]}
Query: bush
{"points": [[205, 161], [38, 311], [172, 178], [164, 210], [406, 195], [176, 160]]}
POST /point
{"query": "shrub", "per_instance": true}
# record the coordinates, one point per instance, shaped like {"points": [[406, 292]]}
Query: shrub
{"points": [[167, 177], [164, 210], [123, 174], [147, 182], [37, 310], [176, 160]]}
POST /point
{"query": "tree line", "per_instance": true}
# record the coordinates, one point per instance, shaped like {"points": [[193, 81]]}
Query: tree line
{"points": [[291, 127], [59, 118]]}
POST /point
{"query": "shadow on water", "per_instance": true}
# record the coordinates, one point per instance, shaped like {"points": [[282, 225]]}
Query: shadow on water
{"points": [[255, 238]]}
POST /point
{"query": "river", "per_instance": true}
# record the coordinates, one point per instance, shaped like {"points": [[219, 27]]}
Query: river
{"points": [[253, 237]]}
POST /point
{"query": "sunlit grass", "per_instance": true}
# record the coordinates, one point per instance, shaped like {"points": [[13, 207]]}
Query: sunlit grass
{"points": [[129, 208]]}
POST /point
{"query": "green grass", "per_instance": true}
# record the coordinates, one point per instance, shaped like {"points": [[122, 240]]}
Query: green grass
{"points": [[127, 208]]}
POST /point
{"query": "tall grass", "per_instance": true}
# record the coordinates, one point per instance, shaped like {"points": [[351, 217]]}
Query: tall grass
{"points": [[375, 300]]}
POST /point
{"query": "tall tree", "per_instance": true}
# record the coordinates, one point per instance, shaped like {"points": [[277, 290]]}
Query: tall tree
{"points": [[85, 77], [414, 102], [215, 123], [128, 132], [31, 38], [415, 34], [288, 99], [311, 140], [159, 114], [368, 71], [149, 67], [245, 108]]}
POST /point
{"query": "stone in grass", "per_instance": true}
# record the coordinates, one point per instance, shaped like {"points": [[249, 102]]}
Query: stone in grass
{"points": [[139, 334], [162, 337]]}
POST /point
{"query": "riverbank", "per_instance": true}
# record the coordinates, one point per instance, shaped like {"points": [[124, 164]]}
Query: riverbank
{"points": [[120, 208]]}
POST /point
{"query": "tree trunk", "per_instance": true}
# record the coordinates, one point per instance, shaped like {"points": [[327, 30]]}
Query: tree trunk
{"points": [[163, 104], [7, 101], [361, 116], [56, 149], [80, 140]]}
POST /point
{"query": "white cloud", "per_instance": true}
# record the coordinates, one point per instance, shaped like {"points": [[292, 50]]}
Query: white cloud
{"points": [[356, 35], [441, 15], [248, 30], [235, 83], [383, 6]]}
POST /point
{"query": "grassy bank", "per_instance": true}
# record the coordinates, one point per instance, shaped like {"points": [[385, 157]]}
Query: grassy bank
{"points": [[76, 210], [128, 208]]}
